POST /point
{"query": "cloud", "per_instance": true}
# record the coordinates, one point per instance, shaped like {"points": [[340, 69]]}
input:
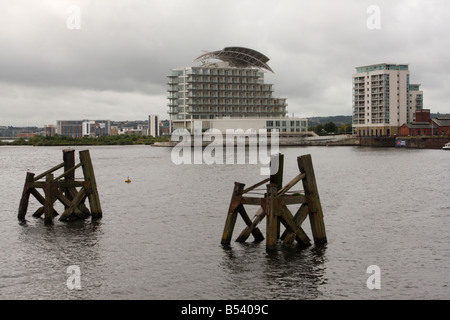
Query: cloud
{"points": [[116, 65], [37, 105]]}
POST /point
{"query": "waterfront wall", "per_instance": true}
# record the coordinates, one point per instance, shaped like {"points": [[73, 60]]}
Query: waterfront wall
{"points": [[405, 142], [347, 140], [379, 142], [424, 142]]}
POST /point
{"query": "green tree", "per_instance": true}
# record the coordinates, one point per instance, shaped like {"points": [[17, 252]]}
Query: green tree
{"points": [[330, 127], [345, 128]]}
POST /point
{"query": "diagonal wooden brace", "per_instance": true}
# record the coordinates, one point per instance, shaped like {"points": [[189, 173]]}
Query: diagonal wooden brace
{"points": [[288, 221], [73, 205]]}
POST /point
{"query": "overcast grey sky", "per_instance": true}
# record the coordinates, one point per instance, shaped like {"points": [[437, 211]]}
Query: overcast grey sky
{"points": [[116, 65]]}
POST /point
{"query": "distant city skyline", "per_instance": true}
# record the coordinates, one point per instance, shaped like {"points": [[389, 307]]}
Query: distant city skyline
{"points": [[110, 60]]}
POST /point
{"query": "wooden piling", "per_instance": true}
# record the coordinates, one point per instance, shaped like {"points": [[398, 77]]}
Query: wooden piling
{"points": [[89, 176], [276, 178], [48, 205], [271, 208], [25, 196], [63, 190], [232, 213], [312, 197], [274, 207], [69, 163], [69, 176]]}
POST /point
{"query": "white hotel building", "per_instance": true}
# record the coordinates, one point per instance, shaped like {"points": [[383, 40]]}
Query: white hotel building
{"points": [[383, 99], [230, 93]]}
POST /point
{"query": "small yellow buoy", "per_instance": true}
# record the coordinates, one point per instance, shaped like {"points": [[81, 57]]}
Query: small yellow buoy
{"points": [[128, 180]]}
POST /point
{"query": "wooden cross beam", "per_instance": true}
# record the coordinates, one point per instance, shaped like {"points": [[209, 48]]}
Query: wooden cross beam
{"points": [[236, 206]]}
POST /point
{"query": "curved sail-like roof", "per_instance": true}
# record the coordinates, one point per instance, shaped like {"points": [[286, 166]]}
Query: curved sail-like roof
{"points": [[239, 57]]}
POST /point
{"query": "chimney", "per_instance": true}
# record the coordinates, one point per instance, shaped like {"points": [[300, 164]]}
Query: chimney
{"points": [[423, 115]]}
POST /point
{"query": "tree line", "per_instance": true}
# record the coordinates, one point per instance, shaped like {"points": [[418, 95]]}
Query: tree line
{"points": [[330, 128]]}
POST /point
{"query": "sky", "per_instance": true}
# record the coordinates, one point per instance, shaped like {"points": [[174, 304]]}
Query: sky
{"points": [[110, 59]]}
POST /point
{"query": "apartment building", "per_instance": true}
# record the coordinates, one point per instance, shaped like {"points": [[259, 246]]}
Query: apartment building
{"points": [[383, 99], [153, 125], [83, 128], [231, 88]]}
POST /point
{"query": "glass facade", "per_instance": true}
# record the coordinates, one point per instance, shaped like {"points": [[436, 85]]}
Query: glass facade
{"points": [[288, 126], [83, 128], [215, 93], [382, 67], [376, 90], [70, 128]]}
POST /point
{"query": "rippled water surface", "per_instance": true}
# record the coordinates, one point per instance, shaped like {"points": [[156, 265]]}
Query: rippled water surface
{"points": [[160, 235]]}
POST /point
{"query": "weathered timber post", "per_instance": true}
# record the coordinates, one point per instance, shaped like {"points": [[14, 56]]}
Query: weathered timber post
{"points": [[89, 176], [25, 196], [276, 178], [312, 197], [49, 197], [232, 213], [69, 163], [69, 176], [271, 208]]}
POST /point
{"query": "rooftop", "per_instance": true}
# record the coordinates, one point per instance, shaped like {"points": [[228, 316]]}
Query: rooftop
{"points": [[442, 122], [382, 66], [238, 57], [418, 125]]}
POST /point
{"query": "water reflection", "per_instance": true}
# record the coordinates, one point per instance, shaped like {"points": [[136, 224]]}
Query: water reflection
{"points": [[45, 251], [287, 273]]}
